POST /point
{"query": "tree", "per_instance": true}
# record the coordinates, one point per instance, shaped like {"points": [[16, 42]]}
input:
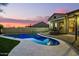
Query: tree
{"points": [[1, 27], [1, 10]]}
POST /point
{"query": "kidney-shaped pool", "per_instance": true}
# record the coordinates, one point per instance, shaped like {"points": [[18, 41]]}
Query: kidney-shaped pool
{"points": [[36, 38]]}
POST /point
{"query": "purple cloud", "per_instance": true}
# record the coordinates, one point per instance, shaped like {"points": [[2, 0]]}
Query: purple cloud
{"points": [[27, 21]]}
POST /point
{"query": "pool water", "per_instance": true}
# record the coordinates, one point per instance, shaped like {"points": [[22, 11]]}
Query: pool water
{"points": [[36, 38]]}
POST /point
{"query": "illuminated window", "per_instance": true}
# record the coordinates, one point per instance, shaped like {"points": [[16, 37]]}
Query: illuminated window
{"points": [[55, 24]]}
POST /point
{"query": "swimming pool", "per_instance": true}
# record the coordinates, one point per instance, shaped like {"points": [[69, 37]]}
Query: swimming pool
{"points": [[36, 38]]}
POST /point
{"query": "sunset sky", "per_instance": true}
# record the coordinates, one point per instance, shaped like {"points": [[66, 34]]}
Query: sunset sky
{"points": [[23, 14]]}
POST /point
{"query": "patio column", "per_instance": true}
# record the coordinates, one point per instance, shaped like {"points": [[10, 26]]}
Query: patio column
{"points": [[66, 24], [75, 28]]}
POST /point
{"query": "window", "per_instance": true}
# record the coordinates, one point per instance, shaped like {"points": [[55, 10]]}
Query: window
{"points": [[55, 24], [71, 25], [54, 17]]}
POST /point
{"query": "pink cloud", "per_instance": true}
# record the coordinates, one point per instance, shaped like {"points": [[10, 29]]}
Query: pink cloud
{"points": [[8, 22], [61, 10]]}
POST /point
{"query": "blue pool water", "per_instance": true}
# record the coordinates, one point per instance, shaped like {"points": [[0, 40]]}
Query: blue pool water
{"points": [[36, 38]]}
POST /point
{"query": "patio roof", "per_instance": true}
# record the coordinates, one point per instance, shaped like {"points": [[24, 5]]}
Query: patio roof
{"points": [[56, 14]]}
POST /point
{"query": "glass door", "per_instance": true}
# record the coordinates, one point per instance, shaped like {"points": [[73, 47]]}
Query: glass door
{"points": [[61, 26], [71, 25]]}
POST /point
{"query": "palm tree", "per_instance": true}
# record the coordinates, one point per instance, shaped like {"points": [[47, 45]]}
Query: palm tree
{"points": [[2, 4], [1, 27]]}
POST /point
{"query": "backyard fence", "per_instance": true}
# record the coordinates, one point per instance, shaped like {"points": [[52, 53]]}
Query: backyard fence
{"points": [[23, 30]]}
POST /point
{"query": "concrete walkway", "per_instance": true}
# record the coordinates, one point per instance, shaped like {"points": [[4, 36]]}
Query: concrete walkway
{"points": [[29, 48]]}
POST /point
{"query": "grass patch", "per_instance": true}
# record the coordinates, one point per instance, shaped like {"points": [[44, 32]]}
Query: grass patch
{"points": [[6, 45]]}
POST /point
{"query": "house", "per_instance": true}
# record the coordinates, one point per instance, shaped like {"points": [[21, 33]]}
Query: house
{"points": [[64, 22], [57, 20], [40, 24]]}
